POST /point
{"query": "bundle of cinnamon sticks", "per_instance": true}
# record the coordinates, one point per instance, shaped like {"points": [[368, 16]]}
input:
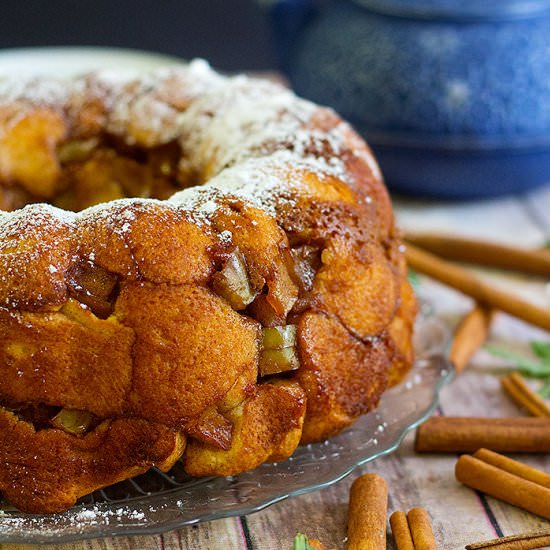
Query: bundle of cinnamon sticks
{"points": [[507, 480], [367, 519]]}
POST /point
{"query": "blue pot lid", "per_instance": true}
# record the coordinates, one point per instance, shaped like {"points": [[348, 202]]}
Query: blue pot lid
{"points": [[459, 9]]}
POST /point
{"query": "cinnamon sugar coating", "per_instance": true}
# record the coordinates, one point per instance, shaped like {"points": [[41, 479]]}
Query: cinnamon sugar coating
{"points": [[153, 226]]}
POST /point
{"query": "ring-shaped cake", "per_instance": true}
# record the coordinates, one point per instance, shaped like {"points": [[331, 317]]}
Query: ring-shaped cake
{"points": [[192, 267]]}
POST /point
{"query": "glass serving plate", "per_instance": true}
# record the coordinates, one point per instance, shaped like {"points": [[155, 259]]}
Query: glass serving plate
{"points": [[157, 502]]}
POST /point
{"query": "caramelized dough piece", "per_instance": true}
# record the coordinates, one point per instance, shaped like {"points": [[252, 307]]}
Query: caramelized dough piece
{"points": [[46, 471], [362, 174], [190, 349], [69, 359], [320, 206], [401, 332], [93, 286], [28, 150], [106, 176], [13, 197], [364, 177], [212, 428], [36, 249], [358, 285], [263, 244], [150, 240], [343, 377], [169, 247], [266, 427]]}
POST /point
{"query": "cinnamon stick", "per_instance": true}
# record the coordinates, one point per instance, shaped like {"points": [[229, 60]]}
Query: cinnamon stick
{"points": [[487, 253], [412, 531], [514, 467], [503, 485], [462, 280], [421, 529], [367, 513], [516, 387], [445, 434], [469, 336], [526, 541], [401, 532]]}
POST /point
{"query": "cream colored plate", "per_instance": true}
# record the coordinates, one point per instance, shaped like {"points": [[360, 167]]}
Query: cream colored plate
{"points": [[69, 61]]}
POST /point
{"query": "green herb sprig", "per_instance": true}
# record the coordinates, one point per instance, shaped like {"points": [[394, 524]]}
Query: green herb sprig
{"points": [[414, 279], [301, 542], [531, 368]]}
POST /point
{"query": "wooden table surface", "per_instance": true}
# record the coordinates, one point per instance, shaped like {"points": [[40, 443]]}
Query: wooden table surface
{"points": [[459, 515]]}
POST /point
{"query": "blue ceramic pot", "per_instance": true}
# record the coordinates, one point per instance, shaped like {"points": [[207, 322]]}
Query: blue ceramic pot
{"points": [[453, 95]]}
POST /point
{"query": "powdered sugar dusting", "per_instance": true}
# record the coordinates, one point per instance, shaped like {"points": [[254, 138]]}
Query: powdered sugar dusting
{"points": [[34, 246], [222, 123], [38, 91], [225, 237], [239, 117], [78, 518]]}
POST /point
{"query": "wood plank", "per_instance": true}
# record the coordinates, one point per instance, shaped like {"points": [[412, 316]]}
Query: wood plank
{"points": [[124, 543], [223, 534], [319, 515]]}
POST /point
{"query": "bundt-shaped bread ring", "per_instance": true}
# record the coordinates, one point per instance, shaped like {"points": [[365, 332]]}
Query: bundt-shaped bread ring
{"points": [[216, 277]]}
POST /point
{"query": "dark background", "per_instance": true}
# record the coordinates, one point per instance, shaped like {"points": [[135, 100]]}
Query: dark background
{"points": [[230, 34]]}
